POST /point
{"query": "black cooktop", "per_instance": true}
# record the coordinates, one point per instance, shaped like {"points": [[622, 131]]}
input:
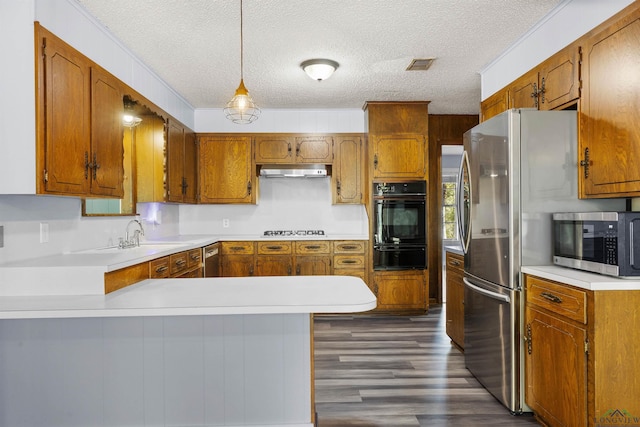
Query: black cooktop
{"points": [[278, 233]]}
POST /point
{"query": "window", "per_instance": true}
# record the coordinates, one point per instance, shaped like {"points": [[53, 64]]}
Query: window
{"points": [[449, 217]]}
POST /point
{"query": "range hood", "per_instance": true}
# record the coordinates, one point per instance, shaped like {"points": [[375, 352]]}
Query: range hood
{"points": [[293, 171]]}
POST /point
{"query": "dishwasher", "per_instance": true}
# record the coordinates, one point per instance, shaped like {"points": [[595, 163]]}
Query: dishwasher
{"points": [[211, 256]]}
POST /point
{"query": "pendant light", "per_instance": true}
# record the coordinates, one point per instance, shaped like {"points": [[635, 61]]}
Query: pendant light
{"points": [[241, 109]]}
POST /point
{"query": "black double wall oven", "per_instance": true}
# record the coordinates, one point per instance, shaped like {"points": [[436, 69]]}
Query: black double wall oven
{"points": [[399, 220]]}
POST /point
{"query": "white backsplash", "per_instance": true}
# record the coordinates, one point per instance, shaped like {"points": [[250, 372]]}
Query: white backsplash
{"points": [[284, 204]]}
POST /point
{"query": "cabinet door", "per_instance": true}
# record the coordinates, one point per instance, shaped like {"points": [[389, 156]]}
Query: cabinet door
{"points": [[399, 156], [556, 366], [190, 167], [225, 170], [107, 134], [313, 265], [559, 81], [274, 265], [237, 265], [64, 97], [314, 149], [400, 291], [150, 149], [347, 170], [523, 92], [274, 149], [455, 299], [610, 111], [494, 104], [175, 162]]}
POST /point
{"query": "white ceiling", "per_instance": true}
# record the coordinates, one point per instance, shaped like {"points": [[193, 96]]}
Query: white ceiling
{"points": [[194, 45]]}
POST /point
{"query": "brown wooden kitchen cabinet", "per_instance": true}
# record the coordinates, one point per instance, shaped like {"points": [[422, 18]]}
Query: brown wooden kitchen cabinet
{"points": [[79, 123], [274, 258], [225, 167], [347, 173], [550, 85], [455, 299], [580, 360], [293, 149], [181, 163], [400, 290], [237, 259], [609, 142], [494, 104], [150, 159], [350, 258], [312, 257]]}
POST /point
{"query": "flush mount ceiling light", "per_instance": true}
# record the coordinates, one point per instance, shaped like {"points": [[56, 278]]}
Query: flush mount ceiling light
{"points": [[241, 109], [319, 69], [130, 118]]}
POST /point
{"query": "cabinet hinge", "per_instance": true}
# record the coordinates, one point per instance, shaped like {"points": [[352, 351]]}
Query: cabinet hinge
{"points": [[586, 346]]}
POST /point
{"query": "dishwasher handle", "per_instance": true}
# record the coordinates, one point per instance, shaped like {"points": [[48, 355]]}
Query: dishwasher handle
{"points": [[486, 292]]}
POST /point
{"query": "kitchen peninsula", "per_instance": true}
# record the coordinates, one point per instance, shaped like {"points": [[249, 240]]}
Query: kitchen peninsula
{"points": [[203, 351]]}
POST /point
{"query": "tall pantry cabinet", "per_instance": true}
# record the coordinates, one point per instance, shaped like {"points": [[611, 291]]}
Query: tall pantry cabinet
{"points": [[397, 150]]}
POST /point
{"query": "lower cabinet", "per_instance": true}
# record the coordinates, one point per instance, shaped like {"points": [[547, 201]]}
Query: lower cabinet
{"points": [[582, 367], [455, 299], [237, 259], [400, 290]]}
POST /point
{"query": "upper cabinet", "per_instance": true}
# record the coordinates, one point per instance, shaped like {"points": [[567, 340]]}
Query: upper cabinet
{"points": [[292, 149], [398, 133], [609, 143], [226, 172], [553, 84], [79, 128], [181, 164], [347, 170]]}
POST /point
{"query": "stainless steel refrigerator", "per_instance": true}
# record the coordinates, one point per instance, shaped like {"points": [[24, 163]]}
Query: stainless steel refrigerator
{"points": [[517, 169]]}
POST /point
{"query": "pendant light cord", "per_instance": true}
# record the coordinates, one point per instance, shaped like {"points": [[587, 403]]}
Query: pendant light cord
{"points": [[241, 46]]}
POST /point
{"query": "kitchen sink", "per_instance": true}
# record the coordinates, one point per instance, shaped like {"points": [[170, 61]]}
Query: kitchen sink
{"points": [[145, 247]]}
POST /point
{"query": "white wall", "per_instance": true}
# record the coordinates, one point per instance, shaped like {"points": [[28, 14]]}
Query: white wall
{"points": [[565, 24]]}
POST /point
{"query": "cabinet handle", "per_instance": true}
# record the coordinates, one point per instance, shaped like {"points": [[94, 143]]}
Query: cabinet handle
{"points": [[527, 338], [542, 90], [87, 165], [274, 247], [180, 262], [289, 270], [348, 247], [297, 149], [349, 261], [585, 163], [195, 257], [249, 187], [534, 95], [95, 166], [551, 297], [375, 161], [236, 248], [312, 246], [251, 271], [298, 269], [162, 269], [338, 187], [184, 185], [455, 263]]}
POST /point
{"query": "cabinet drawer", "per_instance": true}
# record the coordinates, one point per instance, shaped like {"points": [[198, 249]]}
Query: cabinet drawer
{"points": [[455, 262], [349, 247], [178, 263], [244, 248], [558, 298], [159, 268], [277, 248], [194, 258], [312, 247], [348, 261]]}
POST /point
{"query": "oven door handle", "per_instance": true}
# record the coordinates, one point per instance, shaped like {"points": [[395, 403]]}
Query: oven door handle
{"points": [[396, 248], [486, 292]]}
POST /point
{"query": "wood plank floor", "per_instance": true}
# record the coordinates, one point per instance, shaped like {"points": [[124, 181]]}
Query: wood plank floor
{"points": [[396, 371]]}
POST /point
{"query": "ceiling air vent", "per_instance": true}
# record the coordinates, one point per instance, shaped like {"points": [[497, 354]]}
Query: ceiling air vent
{"points": [[420, 64]]}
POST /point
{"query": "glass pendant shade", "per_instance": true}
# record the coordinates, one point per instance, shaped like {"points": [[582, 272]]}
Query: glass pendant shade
{"points": [[241, 109], [130, 118]]}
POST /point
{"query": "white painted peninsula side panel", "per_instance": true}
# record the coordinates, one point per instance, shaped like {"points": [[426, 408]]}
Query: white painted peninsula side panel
{"points": [[156, 371]]}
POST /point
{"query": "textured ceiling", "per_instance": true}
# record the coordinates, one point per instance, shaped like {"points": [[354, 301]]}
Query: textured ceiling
{"points": [[194, 45]]}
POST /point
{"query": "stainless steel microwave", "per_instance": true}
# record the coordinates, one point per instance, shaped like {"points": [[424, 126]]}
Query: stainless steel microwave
{"points": [[600, 242]]}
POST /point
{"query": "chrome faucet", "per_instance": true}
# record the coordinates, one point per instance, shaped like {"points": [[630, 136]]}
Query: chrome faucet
{"points": [[130, 242]]}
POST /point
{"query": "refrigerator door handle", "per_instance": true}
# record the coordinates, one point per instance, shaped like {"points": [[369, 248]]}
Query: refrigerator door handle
{"points": [[461, 212], [486, 292]]}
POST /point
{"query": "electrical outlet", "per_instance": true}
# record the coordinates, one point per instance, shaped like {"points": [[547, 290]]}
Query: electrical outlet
{"points": [[225, 223], [44, 232]]}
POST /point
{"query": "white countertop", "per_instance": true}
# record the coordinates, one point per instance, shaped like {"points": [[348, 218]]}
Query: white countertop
{"points": [[583, 279], [82, 272], [203, 296]]}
